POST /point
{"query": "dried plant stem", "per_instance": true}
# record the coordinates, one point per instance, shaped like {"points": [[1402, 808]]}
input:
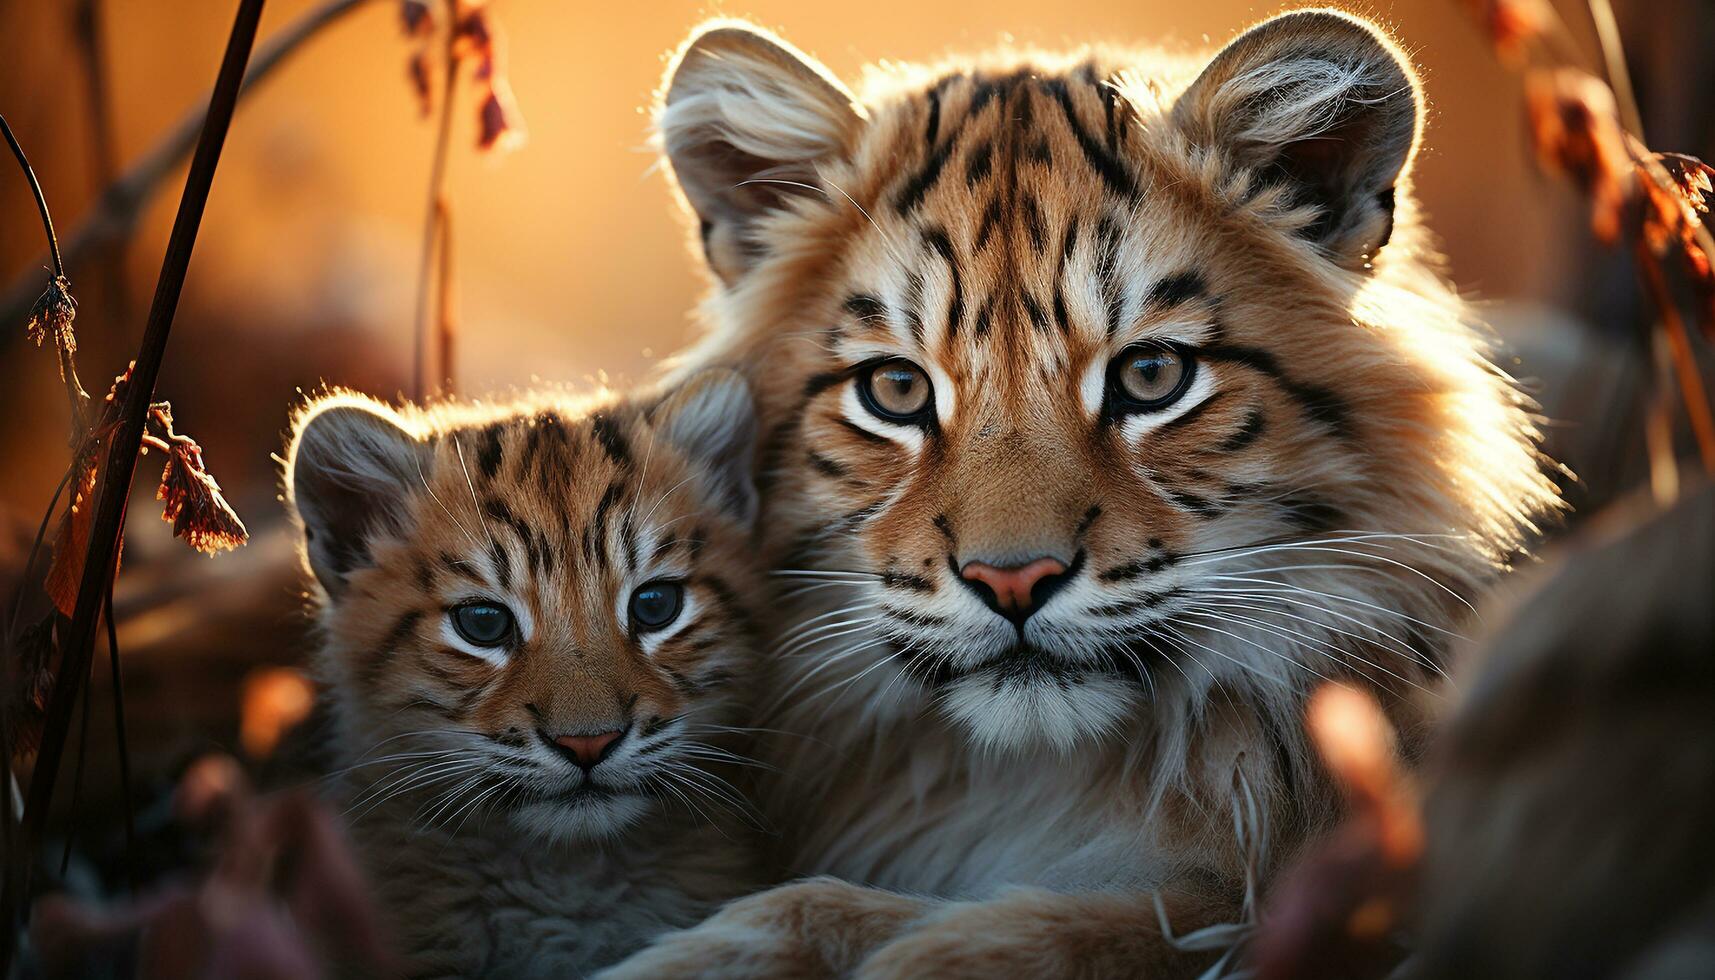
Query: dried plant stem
{"points": [[76, 781], [1658, 425], [41, 201], [116, 213], [436, 212], [117, 680], [1691, 388], [77, 648], [446, 290], [1614, 57]]}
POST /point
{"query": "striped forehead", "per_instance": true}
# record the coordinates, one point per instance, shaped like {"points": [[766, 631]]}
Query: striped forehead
{"points": [[1019, 238], [557, 499]]}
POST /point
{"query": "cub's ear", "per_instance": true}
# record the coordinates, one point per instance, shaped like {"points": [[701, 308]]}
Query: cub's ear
{"points": [[1324, 102], [744, 118], [711, 418], [349, 473]]}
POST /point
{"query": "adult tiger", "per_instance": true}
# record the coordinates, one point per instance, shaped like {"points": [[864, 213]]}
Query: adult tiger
{"points": [[1112, 401]]}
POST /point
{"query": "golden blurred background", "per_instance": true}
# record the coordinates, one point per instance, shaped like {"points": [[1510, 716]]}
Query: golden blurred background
{"points": [[571, 259]]}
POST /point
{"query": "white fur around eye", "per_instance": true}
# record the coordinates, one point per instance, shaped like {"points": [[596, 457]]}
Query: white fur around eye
{"points": [[1135, 426], [908, 436], [651, 641], [496, 657]]}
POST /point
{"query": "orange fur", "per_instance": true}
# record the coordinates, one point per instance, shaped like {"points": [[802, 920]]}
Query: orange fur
{"points": [[1342, 471]]}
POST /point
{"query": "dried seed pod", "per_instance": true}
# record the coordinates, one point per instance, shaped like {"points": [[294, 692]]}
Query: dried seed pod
{"points": [[1574, 125]]}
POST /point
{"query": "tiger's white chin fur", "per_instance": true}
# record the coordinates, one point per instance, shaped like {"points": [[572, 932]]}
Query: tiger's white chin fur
{"points": [[580, 819], [1008, 712]]}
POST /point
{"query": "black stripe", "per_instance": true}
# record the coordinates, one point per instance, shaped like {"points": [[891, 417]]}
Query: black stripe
{"points": [[1107, 266], [1138, 568], [826, 466], [1037, 316], [1181, 287], [1190, 416], [945, 526], [864, 433], [978, 162], [1033, 223], [985, 228], [819, 383], [1248, 433], [488, 456], [933, 129], [612, 440], [936, 238], [902, 580], [865, 307], [1319, 404], [1107, 166]]}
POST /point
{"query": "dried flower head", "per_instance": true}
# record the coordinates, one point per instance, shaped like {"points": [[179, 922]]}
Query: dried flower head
{"points": [[1512, 25], [417, 19], [499, 123], [1674, 222], [52, 314], [193, 504], [1575, 128], [421, 74]]}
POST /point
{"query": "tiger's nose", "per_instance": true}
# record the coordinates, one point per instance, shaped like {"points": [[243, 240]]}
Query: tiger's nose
{"points": [[1015, 591], [586, 751]]}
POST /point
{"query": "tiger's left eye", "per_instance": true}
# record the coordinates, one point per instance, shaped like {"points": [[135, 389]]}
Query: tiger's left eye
{"points": [[656, 604], [1150, 376]]}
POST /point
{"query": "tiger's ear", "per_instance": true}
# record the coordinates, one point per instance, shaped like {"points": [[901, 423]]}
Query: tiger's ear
{"points": [[1323, 102], [349, 472], [711, 418], [744, 119]]}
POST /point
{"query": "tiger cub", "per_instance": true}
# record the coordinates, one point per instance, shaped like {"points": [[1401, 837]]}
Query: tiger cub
{"points": [[537, 641]]}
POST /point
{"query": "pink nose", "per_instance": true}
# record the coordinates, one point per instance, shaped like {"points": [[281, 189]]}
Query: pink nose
{"points": [[1012, 586], [587, 750]]}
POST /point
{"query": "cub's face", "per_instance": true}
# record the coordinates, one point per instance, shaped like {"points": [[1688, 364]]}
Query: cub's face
{"points": [[534, 614], [1088, 383]]}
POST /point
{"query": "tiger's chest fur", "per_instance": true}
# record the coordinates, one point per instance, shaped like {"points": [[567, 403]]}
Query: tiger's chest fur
{"points": [[482, 903]]}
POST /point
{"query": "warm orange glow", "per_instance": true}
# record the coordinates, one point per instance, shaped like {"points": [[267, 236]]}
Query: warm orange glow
{"points": [[1357, 744], [275, 700]]}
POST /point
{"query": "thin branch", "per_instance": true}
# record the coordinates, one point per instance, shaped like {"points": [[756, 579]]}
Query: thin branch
{"points": [[99, 561], [446, 289], [1614, 57], [76, 783], [116, 213], [1691, 389], [118, 682], [41, 202], [435, 209]]}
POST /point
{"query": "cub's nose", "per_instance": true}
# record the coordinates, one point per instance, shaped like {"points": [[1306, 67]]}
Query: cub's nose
{"points": [[1015, 591], [586, 751]]}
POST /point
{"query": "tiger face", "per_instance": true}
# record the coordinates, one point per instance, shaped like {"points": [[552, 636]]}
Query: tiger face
{"points": [[1101, 381], [534, 609]]}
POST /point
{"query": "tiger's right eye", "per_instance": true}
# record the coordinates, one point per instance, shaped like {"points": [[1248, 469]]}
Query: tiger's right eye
{"points": [[896, 391], [483, 624]]}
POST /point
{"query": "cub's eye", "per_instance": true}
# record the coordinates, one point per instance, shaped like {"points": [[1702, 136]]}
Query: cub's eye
{"points": [[656, 604], [484, 624], [896, 391], [1150, 376]]}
